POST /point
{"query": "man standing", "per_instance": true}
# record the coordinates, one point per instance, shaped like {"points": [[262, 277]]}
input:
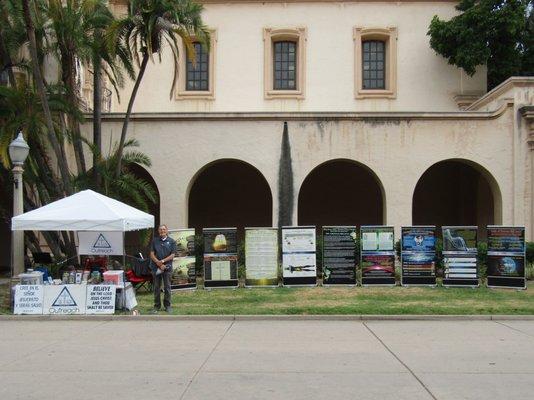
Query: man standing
{"points": [[162, 253]]}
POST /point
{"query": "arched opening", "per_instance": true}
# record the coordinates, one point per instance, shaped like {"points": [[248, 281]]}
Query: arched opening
{"points": [[457, 192], [136, 241], [229, 193], [341, 192]]}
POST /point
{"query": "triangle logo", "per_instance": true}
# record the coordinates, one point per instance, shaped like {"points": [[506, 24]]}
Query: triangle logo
{"points": [[101, 243], [64, 299]]}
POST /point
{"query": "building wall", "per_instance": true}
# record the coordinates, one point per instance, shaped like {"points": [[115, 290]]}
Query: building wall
{"points": [[398, 150], [397, 140], [425, 81]]}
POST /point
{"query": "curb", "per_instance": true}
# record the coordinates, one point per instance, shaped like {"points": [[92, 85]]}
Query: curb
{"points": [[266, 318]]}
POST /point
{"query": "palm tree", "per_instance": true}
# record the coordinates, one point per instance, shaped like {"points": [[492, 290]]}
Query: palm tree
{"points": [[128, 187], [41, 90], [13, 36], [145, 30], [21, 109], [109, 63], [76, 28]]}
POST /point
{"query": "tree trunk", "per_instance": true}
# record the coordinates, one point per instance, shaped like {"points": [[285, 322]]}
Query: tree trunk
{"points": [[129, 112], [97, 118], [32, 242], [68, 76], [51, 239], [8, 62], [51, 134], [4, 51]]}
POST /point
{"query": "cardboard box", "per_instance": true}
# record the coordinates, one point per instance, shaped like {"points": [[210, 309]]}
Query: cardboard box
{"points": [[114, 277]]}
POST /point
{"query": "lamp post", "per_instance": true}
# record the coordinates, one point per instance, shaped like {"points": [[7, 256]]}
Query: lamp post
{"points": [[18, 151]]}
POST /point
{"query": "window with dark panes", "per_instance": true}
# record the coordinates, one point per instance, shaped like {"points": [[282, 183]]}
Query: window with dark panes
{"points": [[374, 64], [285, 65], [197, 74]]}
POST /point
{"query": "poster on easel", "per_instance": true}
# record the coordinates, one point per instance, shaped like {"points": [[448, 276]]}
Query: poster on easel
{"points": [[220, 257], [377, 255], [183, 266], [418, 256], [339, 255], [460, 256], [506, 257], [261, 257], [299, 260]]}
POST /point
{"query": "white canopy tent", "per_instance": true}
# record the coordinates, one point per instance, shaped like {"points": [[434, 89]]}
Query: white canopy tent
{"points": [[84, 211]]}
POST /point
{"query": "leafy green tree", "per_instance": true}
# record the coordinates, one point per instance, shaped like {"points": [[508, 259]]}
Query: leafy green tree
{"points": [[128, 187], [76, 27], [48, 113], [148, 26], [41, 90], [21, 110], [487, 32]]}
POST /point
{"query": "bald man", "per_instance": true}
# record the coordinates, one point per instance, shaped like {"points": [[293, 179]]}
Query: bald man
{"points": [[162, 253]]}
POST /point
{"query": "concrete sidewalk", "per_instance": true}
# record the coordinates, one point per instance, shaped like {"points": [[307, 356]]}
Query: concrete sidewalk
{"points": [[269, 359]]}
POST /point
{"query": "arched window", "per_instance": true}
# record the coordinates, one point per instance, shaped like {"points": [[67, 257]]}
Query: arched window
{"points": [[196, 78], [374, 64], [375, 60], [197, 71], [285, 63]]}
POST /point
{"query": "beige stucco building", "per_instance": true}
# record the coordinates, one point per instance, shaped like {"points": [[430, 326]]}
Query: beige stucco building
{"points": [[359, 133]]}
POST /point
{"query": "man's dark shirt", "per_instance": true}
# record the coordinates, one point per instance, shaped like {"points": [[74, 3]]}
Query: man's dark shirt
{"points": [[163, 248]]}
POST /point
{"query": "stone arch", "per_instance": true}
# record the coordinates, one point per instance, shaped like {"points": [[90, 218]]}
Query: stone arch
{"points": [[229, 192], [457, 192], [341, 192], [137, 240]]}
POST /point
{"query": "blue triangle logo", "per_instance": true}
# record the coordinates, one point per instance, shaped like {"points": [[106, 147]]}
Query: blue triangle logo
{"points": [[64, 299], [101, 243]]}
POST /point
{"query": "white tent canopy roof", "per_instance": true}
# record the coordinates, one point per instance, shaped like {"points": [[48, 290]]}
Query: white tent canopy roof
{"points": [[84, 211]]}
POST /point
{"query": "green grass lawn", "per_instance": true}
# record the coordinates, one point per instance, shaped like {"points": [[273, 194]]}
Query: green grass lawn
{"points": [[343, 300], [359, 300]]}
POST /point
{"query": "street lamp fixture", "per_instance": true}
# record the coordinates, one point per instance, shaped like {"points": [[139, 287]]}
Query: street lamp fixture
{"points": [[18, 152]]}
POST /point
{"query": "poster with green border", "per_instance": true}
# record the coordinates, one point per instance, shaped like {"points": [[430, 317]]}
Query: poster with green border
{"points": [[261, 257], [183, 266]]}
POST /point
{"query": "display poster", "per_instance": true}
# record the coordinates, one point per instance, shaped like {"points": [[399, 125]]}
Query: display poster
{"points": [[460, 256], [100, 299], [299, 263], [28, 299], [506, 265], [183, 266], [261, 257], [419, 239], [101, 243], [506, 239], [220, 240], [377, 255], [418, 255], [65, 299], [506, 257], [220, 257], [419, 264], [339, 260]]}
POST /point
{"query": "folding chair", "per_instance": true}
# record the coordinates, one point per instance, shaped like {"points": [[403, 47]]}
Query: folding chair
{"points": [[140, 274]]}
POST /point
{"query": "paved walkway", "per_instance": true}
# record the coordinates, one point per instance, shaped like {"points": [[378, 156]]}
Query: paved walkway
{"points": [[381, 360]]}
